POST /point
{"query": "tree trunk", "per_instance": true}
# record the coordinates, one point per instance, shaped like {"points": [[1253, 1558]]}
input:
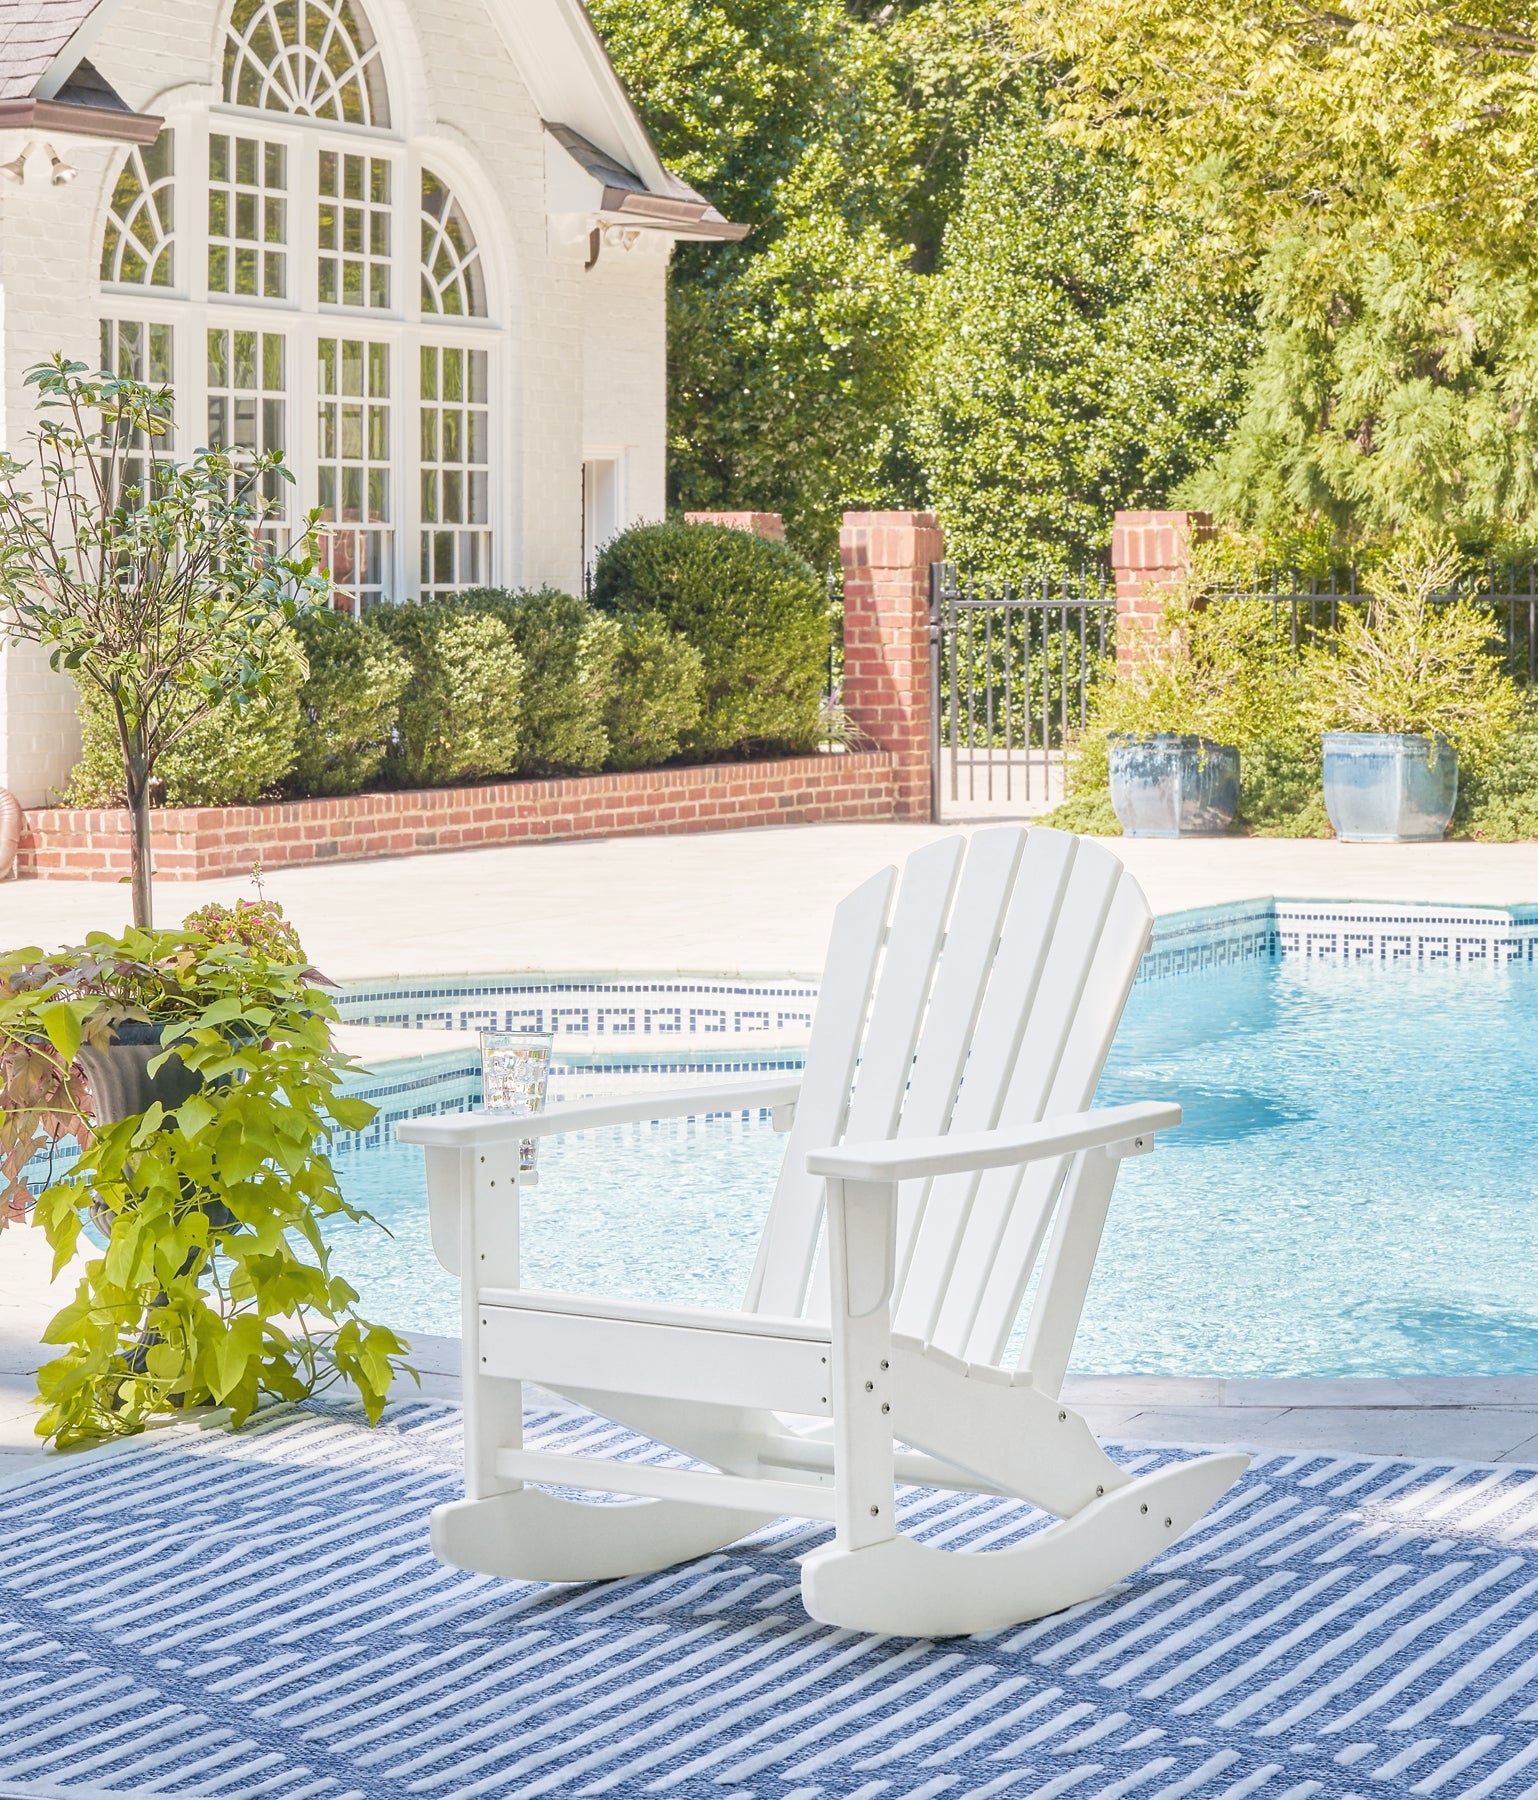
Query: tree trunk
{"points": [[139, 846]]}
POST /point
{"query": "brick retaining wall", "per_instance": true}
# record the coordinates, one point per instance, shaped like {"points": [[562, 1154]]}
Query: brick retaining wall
{"points": [[198, 842]]}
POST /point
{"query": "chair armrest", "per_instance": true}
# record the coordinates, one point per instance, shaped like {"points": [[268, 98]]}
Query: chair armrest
{"points": [[903, 1159], [477, 1130]]}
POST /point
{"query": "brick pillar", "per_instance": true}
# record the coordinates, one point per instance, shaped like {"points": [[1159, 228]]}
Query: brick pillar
{"points": [[886, 558], [1151, 553], [764, 525]]}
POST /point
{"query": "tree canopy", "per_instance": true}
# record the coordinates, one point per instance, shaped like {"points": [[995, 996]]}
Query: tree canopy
{"points": [[817, 364], [1367, 171], [1074, 368]]}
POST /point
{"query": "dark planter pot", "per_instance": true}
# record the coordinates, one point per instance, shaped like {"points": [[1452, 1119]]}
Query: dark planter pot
{"points": [[121, 1085], [1386, 788], [119, 1075], [1167, 786]]}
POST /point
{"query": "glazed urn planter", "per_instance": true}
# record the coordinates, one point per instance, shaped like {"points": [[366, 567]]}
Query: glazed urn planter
{"points": [[1167, 786], [1388, 787]]}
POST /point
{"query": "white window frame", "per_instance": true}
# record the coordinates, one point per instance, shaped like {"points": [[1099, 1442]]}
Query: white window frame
{"points": [[192, 311]]}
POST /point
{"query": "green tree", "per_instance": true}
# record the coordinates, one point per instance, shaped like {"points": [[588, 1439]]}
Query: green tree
{"points": [[1366, 172], [148, 580], [789, 354], [1076, 367]]}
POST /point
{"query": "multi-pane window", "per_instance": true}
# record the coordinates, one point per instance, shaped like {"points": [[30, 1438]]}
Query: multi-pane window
{"points": [[353, 473], [137, 247], [316, 58], [354, 229], [456, 541], [248, 396], [247, 217], [137, 351], [301, 165]]}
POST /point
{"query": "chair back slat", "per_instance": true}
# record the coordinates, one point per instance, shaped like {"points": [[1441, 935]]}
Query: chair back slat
{"points": [[1011, 978], [898, 1009], [1069, 959], [786, 1250], [950, 1032], [1057, 1305]]}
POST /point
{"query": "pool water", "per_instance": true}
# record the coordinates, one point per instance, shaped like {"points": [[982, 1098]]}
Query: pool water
{"points": [[1354, 1190]]}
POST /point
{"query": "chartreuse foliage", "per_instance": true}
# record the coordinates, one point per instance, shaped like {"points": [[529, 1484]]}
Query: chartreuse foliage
{"points": [[216, 1284], [1404, 662], [1224, 671], [1365, 172]]}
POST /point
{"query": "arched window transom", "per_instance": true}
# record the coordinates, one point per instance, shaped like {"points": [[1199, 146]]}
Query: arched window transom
{"points": [[316, 58], [138, 246], [451, 263]]}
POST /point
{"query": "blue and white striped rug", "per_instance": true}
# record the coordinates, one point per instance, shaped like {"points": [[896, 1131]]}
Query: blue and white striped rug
{"points": [[258, 1613]]}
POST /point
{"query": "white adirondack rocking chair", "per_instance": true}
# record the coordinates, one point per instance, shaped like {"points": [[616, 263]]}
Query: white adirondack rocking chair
{"points": [[939, 1131]]}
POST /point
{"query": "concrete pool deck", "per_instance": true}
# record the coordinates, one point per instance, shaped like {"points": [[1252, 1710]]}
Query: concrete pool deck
{"points": [[755, 901], [760, 902]]}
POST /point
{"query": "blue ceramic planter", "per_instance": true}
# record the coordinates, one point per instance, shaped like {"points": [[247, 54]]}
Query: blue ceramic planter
{"points": [[1169, 786], [1387, 788]]}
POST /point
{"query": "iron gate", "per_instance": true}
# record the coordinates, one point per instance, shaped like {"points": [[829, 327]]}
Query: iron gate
{"points": [[1011, 666]]}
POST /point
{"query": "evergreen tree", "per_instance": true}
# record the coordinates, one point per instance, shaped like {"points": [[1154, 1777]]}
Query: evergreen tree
{"points": [[1075, 369]]}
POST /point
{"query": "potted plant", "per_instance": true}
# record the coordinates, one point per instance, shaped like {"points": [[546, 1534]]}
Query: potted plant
{"points": [[1213, 679], [154, 583], [204, 1155], [1406, 683]]}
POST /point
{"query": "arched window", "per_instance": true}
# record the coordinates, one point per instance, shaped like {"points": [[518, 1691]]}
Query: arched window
{"points": [[451, 264], [317, 58], [295, 318], [138, 247]]}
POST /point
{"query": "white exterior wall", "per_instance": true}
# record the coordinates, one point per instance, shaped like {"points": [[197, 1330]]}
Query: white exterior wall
{"points": [[624, 355], [582, 361]]}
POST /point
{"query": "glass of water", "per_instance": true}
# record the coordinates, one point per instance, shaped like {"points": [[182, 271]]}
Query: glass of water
{"points": [[515, 1070]]}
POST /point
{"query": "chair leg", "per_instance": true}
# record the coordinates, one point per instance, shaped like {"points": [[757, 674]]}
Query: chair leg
{"points": [[532, 1535], [906, 1589]]}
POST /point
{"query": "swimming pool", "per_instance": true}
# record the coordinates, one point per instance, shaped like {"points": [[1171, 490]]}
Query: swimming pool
{"points": [[1354, 1190]]}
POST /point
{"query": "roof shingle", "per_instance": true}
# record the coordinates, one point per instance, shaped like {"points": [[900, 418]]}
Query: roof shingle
{"points": [[32, 33]]}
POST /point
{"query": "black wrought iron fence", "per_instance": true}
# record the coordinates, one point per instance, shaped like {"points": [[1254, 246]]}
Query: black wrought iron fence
{"points": [[1012, 665], [1310, 607]]}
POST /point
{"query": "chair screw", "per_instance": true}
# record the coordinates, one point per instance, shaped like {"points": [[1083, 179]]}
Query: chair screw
{"points": [[875, 1512], [1099, 1492], [1143, 1507], [1061, 1417], [884, 1407], [870, 1387], [1169, 1522], [885, 1364]]}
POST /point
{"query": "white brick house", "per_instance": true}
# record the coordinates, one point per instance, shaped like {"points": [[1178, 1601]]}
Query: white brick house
{"points": [[420, 245]]}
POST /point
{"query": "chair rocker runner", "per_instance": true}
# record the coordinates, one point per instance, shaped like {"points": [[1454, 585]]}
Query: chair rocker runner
{"points": [[939, 1149]]}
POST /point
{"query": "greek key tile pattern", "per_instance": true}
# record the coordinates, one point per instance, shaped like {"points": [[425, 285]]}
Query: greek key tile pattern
{"points": [[208, 1614], [1389, 935], [611, 1008]]}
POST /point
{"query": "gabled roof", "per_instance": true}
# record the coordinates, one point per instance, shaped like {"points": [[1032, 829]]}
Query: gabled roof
{"points": [[620, 192], [35, 36], [45, 83]]}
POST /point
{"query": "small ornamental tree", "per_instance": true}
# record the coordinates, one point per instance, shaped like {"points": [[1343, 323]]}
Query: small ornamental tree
{"points": [[151, 581]]}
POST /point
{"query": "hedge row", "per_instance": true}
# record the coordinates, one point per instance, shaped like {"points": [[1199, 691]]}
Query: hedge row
{"points": [[699, 642]]}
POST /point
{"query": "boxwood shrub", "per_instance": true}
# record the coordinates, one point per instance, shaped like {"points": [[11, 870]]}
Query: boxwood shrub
{"points": [[754, 610], [347, 705], [229, 758], [650, 680], [561, 698], [459, 715]]}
